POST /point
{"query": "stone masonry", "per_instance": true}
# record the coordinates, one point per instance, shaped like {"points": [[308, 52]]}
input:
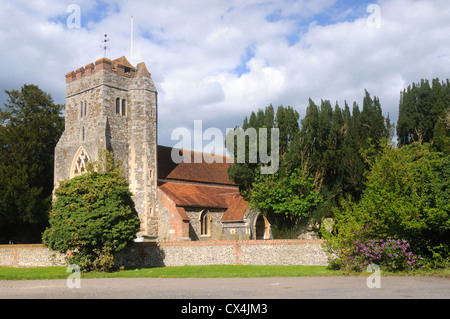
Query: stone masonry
{"points": [[227, 252], [111, 105]]}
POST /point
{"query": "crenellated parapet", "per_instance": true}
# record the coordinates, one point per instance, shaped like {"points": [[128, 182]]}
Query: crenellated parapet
{"points": [[121, 66]]}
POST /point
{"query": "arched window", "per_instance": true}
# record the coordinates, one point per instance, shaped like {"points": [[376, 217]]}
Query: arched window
{"points": [[118, 106], [79, 163], [81, 109], [85, 108], [205, 223], [124, 107]]}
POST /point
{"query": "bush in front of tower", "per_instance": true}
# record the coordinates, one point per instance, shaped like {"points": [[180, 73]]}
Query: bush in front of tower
{"points": [[93, 217]]}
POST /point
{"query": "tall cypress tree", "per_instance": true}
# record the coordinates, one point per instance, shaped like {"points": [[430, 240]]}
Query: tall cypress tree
{"points": [[422, 111]]}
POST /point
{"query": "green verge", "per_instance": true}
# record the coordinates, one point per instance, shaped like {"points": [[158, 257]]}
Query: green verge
{"points": [[214, 271]]}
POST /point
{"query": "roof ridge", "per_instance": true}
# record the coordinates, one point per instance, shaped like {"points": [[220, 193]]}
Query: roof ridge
{"points": [[193, 151]]}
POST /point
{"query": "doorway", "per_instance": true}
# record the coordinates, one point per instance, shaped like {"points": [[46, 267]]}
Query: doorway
{"points": [[262, 227]]}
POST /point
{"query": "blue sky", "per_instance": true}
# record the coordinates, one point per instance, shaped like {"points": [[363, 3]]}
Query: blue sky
{"points": [[218, 61]]}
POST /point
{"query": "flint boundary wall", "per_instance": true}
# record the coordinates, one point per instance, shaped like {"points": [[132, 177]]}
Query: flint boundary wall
{"points": [[243, 252]]}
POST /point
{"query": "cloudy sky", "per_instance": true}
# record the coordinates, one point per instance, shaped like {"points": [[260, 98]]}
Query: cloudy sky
{"points": [[219, 60]]}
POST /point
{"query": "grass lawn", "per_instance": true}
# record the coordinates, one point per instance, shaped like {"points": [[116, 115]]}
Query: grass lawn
{"points": [[214, 271]]}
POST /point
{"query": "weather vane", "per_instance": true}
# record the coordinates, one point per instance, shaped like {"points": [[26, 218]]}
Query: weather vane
{"points": [[104, 45]]}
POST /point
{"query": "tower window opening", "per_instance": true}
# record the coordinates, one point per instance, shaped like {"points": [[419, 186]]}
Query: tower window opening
{"points": [[118, 106], [124, 107]]}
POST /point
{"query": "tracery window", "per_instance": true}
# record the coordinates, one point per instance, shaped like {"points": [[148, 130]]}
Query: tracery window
{"points": [[79, 164]]}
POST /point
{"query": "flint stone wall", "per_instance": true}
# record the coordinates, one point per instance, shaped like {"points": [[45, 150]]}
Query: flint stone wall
{"points": [[148, 254]]}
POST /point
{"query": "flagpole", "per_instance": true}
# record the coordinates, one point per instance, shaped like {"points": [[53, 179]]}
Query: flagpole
{"points": [[132, 40]]}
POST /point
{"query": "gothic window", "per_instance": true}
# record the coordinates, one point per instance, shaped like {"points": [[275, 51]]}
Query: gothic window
{"points": [[205, 223], [79, 163], [124, 107], [118, 106]]}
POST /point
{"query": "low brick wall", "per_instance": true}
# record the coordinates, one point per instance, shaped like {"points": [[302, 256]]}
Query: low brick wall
{"points": [[244, 252]]}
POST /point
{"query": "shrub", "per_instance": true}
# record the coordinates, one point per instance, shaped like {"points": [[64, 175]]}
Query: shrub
{"points": [[94, 217], [389, 254], [407, 197]]}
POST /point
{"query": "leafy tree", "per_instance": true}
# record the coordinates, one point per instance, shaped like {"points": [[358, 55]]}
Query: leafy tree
{"points": [[30, 126], [407, 197], [93, 216], [285, 199]]}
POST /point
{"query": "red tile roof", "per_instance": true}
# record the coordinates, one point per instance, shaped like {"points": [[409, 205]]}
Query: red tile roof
{"points": [[216, 173], [190, 195], [197, 195], [236, 207], [200, 185]]}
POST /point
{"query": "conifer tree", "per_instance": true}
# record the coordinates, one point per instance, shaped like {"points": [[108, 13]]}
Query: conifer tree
{"points": [[30, 126]]}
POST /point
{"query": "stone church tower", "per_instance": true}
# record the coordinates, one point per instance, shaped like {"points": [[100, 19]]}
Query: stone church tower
{"points": [[112, 105]]}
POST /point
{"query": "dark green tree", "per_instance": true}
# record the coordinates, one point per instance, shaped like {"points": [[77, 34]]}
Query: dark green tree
{"points": [[93, 216], [332, 145], [422, 112], [30, 126], [333, 141], [244, 173], [407, 197]]}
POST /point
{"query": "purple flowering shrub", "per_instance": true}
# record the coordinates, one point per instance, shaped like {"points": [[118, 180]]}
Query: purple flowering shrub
{"points": [[389, 254]]}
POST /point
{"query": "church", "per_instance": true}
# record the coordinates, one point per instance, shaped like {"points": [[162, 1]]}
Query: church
{"points": [[113, 105]]}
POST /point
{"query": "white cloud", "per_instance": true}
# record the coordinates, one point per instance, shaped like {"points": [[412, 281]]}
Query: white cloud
{"points": [[220, 60]]}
